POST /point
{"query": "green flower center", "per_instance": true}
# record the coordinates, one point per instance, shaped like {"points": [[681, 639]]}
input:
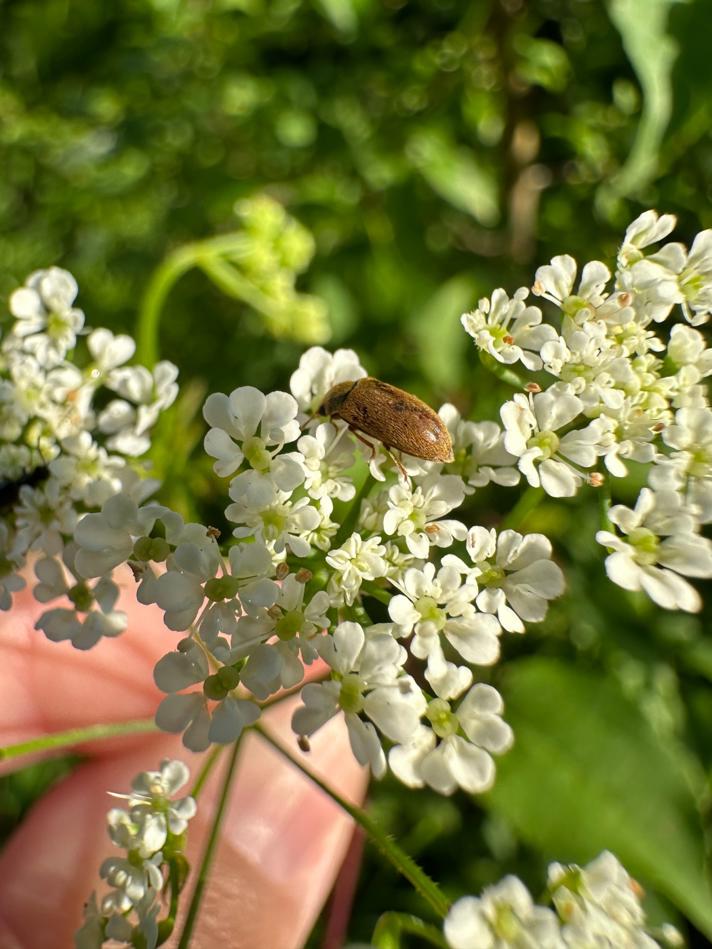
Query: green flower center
{"points": [[221, 588], [350, 698], [500, 336], [441, 717], [547, 442], [646, 544], [491, 576], [289, 625], [274, 521], [256, 453], [430, 612], [505, 922], [573, 305]]}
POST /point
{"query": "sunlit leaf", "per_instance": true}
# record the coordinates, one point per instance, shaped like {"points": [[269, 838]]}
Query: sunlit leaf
{"points": [[588, 773]]}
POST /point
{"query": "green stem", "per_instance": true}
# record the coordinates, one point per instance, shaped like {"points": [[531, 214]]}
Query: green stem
{"points": [[349, 521], [168, 272], [604, 501], [209, 852], [403, 862], [208, 766], [76, 736], [501, 371], [528, 502], [392, 926]]}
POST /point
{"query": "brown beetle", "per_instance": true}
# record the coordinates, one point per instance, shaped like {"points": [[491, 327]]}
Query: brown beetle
{"points": [[394, 417]]}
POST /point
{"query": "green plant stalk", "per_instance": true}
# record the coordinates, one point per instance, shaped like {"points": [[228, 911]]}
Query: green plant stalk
{"points": [[209, 852], [76, 736], [501, 371], [403, 862], [392, 926], [205, 771], [528, 502], [168, 272]]}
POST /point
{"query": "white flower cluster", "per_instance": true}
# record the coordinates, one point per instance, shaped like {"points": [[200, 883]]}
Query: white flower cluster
{"points": [[596, 905], [73, 420], [302, 578], [152, 834], [621, 378]]}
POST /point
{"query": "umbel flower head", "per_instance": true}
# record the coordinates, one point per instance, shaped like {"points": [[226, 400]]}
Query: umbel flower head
{"points": [[151, 832], [595, 905], [323, 538]]}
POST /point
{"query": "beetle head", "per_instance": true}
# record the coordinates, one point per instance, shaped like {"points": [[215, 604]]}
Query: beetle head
{"points": [[335, 398]]}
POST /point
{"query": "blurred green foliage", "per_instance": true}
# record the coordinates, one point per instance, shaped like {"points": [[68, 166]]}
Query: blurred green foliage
{"points": [[435, 149]]}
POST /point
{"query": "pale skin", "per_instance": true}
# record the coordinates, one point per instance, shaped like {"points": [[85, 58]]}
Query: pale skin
{"points": [[282, 841]]}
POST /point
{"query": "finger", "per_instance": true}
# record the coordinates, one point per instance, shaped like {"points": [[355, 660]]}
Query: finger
{"points": [[281, 844], [50, 687]]}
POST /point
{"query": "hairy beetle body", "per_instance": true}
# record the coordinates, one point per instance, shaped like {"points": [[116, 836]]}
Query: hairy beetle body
{"points": [[396, 418]]}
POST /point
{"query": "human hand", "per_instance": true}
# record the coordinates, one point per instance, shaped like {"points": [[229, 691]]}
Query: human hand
{"points": [[282, 840]]}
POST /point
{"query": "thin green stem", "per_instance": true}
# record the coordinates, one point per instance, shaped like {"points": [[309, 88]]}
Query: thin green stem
{"points": [[604, 501], [209, 852], [205, 771], [528, 502], [168, 272], [502, 372], [349, 521], [76, 736], [403, 862], [392, 926]]}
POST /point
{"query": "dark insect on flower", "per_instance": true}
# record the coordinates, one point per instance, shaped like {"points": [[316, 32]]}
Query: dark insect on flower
{"points": [[396, 418], [10, 490]]}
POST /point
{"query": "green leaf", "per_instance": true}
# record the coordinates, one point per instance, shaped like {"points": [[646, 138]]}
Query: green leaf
{"points": [[642, 25], [454, 174], [587, 773]]}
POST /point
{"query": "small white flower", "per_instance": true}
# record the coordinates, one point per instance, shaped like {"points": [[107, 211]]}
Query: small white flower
{"points": [[687, 349], [281, 523], [508, 329], [599, 905], [503, 916], [515, 575], [648, 228], [688, 468], [180, 590], [555, 282], [658, 545], [480, 455], [107, 539], [355, 561], [109, 351], [47, 322], [416, 513], [433, 604], [318, 371], [235, 421], [43, 517], [369, 681], [186, 713], [455, 761], [544, 457], [86, 470], [326, 455]]}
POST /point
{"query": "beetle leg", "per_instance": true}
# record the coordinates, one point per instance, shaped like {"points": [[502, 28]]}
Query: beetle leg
{"points": [[397, 463], [387, 450], [364, 441]]}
